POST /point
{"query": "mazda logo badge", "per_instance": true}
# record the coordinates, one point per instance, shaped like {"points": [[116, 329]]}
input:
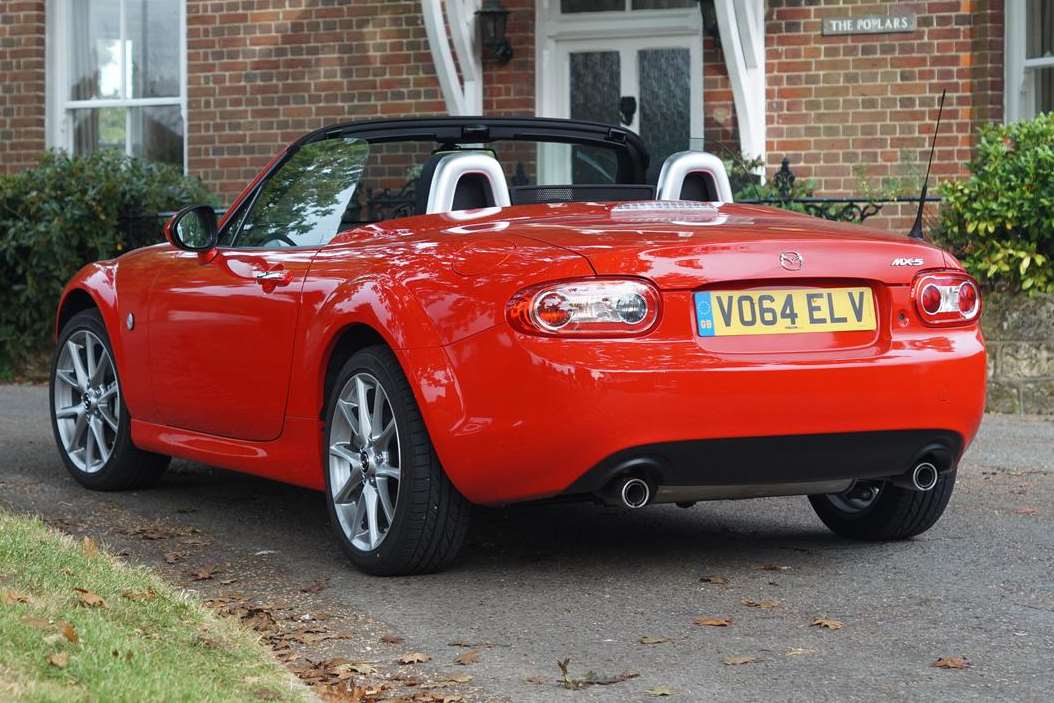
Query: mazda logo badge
{"points": [[791, 260]]}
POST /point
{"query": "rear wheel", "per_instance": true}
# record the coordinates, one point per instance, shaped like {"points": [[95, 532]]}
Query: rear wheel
{"points": [[394, 510], [882, 511], [89, 419]]}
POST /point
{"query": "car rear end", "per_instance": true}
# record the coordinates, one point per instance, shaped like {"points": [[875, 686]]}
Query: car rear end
{"points": [[719, 353]]}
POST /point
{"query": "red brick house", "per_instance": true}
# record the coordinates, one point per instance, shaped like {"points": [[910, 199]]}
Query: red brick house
{"points": [[843, 89]]}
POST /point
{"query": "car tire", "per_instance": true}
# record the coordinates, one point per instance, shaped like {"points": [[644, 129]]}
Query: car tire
{"points": [[894, 514], [416, 525], [89, 418]]}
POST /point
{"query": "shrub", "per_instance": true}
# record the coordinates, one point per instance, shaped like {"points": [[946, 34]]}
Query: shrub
{"points": [[67, 212], [746, 186], [1000, 221]]}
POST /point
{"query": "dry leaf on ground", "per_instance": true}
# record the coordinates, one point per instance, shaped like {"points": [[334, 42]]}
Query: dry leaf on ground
{"points": [[740, 660], [750, 603], [173, 557], [59, 660], [1025, 510], [459, 678], [799, 651], [827, 624], [70, 632], [660, 691], [591, 678], [414, 658], [148, 594], [205, 573], [718, 580], [951, 663], [315, 586], [467, 658], [12, 597], [89, 599], [713, 622], [649, 639], [391, 639]]}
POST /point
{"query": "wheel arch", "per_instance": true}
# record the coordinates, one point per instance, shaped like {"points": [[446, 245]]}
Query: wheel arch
{"points": [[347, 340], [75, 301]]}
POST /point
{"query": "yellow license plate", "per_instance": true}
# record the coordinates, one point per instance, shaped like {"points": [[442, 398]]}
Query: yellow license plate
{"points": [[723, 313]]}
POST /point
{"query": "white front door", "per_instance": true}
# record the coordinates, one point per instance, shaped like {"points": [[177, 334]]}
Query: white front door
{"points": [[639, 68]]}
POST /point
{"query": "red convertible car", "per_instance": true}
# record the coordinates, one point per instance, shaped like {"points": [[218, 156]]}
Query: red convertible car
{"points": [[420, 315]]}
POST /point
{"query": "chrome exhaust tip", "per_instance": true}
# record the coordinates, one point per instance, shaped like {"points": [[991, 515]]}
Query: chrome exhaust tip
{"points": [[635, 493], [924, 476]]}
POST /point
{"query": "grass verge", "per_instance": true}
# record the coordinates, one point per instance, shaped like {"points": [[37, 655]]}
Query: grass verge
{"points": [[78, 625]]}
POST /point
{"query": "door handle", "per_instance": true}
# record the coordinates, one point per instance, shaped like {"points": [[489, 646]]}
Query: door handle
{"points": [[269, 280], [277, 275]]}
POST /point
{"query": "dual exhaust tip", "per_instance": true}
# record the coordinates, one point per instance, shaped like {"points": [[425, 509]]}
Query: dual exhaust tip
{"points": [[634, 492]]}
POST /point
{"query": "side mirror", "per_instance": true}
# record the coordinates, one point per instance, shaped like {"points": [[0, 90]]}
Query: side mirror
{"points": [[192, 228]]}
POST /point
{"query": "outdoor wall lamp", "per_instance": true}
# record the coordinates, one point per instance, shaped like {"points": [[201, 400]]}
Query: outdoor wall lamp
{"points": [[493, 17]]}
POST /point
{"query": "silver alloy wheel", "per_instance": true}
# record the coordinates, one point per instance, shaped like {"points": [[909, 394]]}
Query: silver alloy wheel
{"points": [[87, 401], [365, 460]]}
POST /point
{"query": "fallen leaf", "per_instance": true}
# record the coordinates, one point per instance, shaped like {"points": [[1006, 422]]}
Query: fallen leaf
{"points": [[827, 624], [713, 622], [414, 658], [459, 678], [173, 557], [1024, 510], [315, 586], [467, 658], [205, 573], [774, 567], [951, 663], [36, 623], [391, 639], [89, 599], [12, 597], [739, 660], [591, 678], [59, 660], [227, 582], [660, 691], [648, 639], [89, 547], [760, 604], [138, 596], [717, 580], [70, 633], [799, 651]]}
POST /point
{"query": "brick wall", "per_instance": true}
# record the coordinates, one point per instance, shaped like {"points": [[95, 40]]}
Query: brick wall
{"points": [[22, 97], [846, 107]]}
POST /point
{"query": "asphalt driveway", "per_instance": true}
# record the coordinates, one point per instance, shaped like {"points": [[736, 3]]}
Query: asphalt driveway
{"points": [[616, 592]]}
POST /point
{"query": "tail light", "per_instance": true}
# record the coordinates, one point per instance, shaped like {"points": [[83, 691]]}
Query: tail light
{"points": [[946, 298], [591, 307]]}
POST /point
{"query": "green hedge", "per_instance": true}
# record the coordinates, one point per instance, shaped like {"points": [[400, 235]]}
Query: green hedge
{"points": [[65, 213], [1000, 221]]}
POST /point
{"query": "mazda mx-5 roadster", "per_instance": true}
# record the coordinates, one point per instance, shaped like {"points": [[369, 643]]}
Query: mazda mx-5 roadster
{"points": [[416, 316]]}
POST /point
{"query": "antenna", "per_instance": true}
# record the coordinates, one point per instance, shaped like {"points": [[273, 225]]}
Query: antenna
{"points": [[916, 229]]}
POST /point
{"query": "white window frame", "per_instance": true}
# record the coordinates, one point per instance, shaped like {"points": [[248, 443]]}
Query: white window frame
{"points": [[557, 34], [1018, 100], [58, 120]]}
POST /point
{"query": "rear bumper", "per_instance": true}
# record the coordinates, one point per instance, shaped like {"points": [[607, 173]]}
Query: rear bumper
{"points": [[517, 418]]}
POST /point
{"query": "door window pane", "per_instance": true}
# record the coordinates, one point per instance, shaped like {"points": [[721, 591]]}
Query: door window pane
{"points": [[303, 203], [665, 104], [591, 5], [596, 87], [153, 48], [95, 50]]}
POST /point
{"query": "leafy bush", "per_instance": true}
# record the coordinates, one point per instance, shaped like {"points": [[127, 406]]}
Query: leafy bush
{"points": [[1000, 221], [747, 187], [63, 214]]}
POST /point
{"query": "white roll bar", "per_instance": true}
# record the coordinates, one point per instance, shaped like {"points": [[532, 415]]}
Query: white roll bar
{"points": [[681, 165], [453, 167]]}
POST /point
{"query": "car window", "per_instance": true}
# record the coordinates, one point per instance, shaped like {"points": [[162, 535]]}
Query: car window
{"points": [[304, 201]]}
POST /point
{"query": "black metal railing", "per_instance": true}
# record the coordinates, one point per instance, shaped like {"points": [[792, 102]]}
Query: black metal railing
{"points": [[853, 208]]}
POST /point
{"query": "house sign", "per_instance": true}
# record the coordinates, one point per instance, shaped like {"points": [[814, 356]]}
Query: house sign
{"points": [[869, 24]]}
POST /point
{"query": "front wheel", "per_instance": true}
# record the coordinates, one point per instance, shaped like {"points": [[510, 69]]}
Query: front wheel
{"points": [[89, 419], [394, 510], [882, 511]]}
